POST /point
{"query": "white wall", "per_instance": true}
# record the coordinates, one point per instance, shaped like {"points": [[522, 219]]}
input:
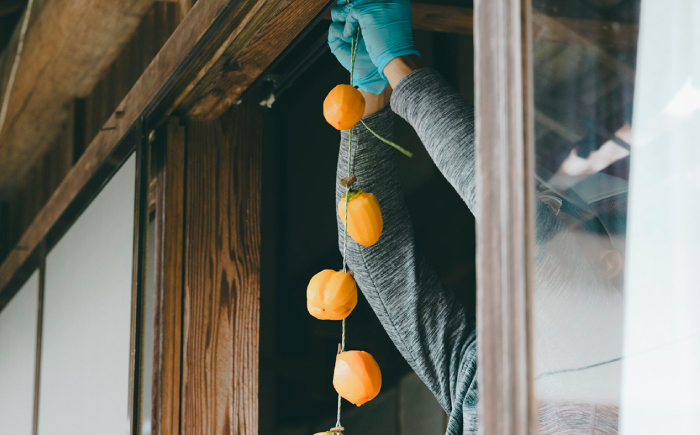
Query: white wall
{"points": [[18, 323], [87, 315]]}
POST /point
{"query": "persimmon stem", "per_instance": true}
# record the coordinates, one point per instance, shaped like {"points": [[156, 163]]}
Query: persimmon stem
{"points": [[386, 141]]}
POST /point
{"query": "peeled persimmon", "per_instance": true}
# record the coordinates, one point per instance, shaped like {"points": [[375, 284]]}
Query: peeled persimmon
{"points": [[331, 295], [364, 216], [343, 107], [357, 377]]}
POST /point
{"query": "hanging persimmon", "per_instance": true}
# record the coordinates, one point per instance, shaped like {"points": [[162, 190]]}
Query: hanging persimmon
{"points": [[331, 295], [356, 377], [343, 107], [364, 217]]}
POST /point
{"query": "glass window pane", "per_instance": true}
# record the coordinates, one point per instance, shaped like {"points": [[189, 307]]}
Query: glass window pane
{"points": [[87, 317], [18, 323], [616, 303]]}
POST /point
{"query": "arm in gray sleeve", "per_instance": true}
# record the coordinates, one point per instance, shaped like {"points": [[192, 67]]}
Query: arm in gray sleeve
{"points": [[423, 318], [444, 122]]}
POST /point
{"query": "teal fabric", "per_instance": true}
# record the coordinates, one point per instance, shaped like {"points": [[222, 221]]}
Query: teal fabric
{"points": [[366, 76], [385, 25]]}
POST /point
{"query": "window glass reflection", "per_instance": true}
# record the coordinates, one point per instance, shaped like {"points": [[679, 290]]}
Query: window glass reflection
{"points": [[616, 303]]}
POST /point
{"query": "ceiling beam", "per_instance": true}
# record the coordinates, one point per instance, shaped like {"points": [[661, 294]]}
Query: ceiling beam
{"points": [[10, 6], [460, 20], [213, 31], [68, 45], [446, 19]]}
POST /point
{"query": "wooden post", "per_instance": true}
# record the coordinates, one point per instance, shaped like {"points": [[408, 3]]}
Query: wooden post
{"points": [[222, 274], [504, 155], [169, 224]]}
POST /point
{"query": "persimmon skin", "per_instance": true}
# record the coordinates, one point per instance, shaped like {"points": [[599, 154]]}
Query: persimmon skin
{"points": [[357, 377], [343, 107], [331, 295], [364, 215]]}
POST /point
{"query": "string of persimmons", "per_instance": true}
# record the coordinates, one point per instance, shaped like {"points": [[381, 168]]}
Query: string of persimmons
{"points": [[332, 295]]}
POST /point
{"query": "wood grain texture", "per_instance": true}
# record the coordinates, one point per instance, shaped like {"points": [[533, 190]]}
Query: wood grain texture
{"points": [[439, 18], [504, 155], [85, 118], [222, 274], [170, 209], [460, 20], [245, 56], [174, 52], [36, 187], [156, 26], [67, 47]]}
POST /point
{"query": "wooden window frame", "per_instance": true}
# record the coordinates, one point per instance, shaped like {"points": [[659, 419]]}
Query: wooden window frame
{"points": [[505, 232]]}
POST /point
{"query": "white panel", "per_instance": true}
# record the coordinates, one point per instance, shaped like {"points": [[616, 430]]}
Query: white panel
{"points": [[87, 313], [661, 371], [18, 321]]}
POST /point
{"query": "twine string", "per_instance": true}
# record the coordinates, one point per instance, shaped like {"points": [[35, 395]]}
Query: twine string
{"points": [[353, 50]]}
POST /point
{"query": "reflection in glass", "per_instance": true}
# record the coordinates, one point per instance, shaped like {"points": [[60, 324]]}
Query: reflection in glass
{"points": [[617, 300]]}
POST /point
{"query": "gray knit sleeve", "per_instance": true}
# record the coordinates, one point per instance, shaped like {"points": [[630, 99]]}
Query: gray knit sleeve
{"points": [[444, 122], [426, 323]]}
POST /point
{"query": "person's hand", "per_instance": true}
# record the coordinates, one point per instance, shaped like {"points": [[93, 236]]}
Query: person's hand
{"points": [[385, 26], [365, 76]]}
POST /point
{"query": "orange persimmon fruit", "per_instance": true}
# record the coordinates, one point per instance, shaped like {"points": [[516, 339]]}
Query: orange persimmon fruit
{"points": [[357, 377], [365, 217], [343, 107], [331, 295]]}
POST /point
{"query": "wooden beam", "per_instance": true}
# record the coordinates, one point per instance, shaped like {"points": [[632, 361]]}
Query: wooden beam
{"points": [[67, 46], [9, 6], [169, 223], [222, 274], [438, 18], [460, 20], [225, 77], [505, 216], [179, 66]]}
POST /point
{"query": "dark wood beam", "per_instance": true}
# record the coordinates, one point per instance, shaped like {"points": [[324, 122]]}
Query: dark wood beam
{"points": [[10, 6], [438, 18], [169, 224], [244, 58], [460, 20], [505, 185], [210, 29], [221, 321], [67, 47]]}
